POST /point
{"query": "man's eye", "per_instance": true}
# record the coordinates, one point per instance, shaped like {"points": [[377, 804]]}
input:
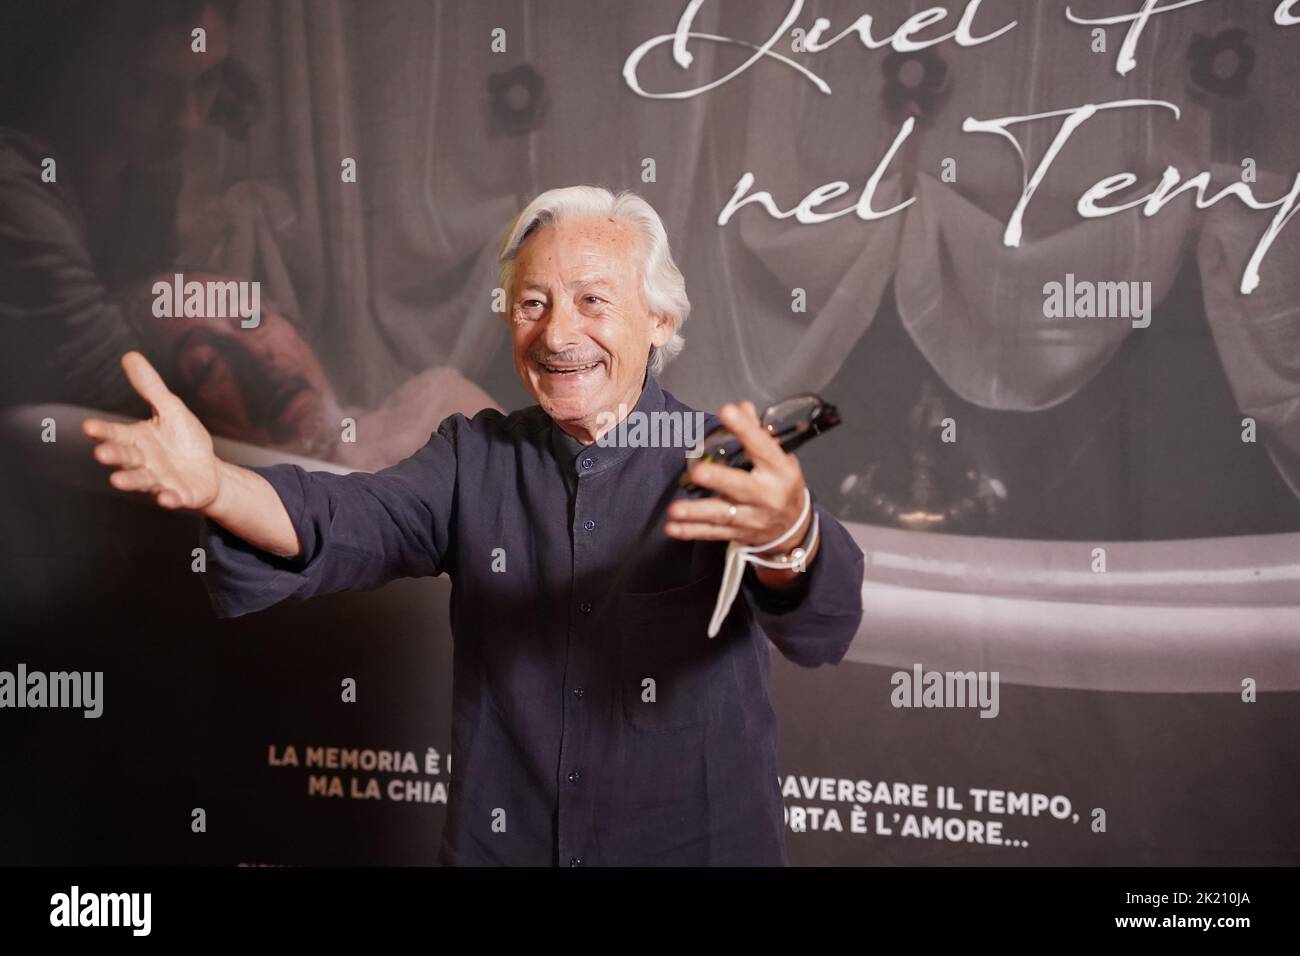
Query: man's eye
{"points": [[593, 299]]}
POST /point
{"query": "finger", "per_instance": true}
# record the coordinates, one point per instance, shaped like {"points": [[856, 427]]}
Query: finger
{"points": [[146, 380], [168, 499], [703, 531], [135, 479], [762, 448], [736, 484], [713, 511], [119, 454], [106, 431]]}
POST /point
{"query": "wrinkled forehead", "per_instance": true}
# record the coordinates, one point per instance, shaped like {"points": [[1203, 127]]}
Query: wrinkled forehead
{"points": [[580, 253]]}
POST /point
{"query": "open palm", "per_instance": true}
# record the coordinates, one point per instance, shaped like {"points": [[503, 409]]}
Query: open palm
{"points": [[169, 456]]}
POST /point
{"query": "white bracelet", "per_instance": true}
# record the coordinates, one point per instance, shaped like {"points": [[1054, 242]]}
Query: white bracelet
{"points": [[794, 561], [807, 504]]}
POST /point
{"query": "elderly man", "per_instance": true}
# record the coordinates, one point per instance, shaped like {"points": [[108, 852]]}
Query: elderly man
{"points": [[594, 720]]}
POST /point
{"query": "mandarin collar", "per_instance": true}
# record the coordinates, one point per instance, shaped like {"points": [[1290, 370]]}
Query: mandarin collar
{"points": [[591, 459]]}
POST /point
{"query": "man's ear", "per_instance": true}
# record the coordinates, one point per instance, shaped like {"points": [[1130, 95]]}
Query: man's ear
{"points": [[661, 329]]}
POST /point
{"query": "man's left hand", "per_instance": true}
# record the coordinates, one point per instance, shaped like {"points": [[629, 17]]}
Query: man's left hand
{"points": [[751, 507]]}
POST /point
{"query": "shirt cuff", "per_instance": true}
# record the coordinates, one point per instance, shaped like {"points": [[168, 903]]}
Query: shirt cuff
{"points": [[242, 578], [814, 621]]}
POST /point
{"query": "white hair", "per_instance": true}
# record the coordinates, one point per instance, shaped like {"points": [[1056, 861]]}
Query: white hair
{"points": [[664, 286]]}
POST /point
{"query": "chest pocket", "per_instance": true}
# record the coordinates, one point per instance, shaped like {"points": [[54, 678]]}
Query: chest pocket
{"points": [[673, 675]]}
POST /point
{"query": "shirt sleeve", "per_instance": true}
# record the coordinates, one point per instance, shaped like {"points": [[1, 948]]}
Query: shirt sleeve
{"points": [[356, 531], [814, 622]]}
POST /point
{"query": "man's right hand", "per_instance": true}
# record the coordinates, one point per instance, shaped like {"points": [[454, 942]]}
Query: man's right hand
{"points": [[169, 456]]}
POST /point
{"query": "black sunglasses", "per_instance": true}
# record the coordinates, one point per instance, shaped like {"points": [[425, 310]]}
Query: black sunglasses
{"points": [[793, 422]]}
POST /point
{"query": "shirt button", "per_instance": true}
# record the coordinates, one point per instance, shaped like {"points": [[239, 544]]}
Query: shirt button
{"points": [[588, 462], [575, 776], [584, 607], [589, 525], [575, 861], [578, 692]]}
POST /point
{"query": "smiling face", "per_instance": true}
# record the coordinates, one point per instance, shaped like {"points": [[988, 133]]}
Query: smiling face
{"points": [[581, 328]]}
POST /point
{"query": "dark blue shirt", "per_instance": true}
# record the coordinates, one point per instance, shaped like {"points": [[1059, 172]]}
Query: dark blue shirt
{"points": [[591, 713]]}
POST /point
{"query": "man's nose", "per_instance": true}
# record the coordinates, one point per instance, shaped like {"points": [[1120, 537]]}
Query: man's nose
{"points": [[562, 330]]}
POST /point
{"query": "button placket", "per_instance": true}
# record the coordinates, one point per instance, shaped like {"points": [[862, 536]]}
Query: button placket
{"points": [[573, 810]]}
